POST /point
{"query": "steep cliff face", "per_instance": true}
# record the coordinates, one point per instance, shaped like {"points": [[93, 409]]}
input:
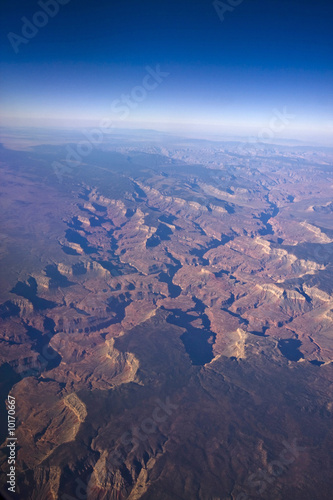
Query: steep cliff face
{"points": [[47, 420]]}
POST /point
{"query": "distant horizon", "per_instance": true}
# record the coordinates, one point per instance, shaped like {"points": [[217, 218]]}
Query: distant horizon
{"points": [[249, 139]]}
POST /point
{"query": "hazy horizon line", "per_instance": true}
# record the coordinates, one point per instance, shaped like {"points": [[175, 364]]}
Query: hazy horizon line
{"points": [[249, 140]]}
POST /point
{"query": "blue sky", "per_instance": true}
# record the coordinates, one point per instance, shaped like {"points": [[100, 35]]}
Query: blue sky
{"points": [[223, 77]]}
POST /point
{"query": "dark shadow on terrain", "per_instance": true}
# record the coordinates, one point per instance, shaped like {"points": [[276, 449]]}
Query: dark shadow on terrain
{"points": [[162, 233], [290, 349], [265, 216], [198, 342], [74, 237], [57, 279], [49, 358], [174, 290], [200, 252], [29, 291]]}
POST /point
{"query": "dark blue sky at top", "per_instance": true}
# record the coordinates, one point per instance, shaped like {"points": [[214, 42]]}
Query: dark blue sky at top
{"points": [[264, 55]]}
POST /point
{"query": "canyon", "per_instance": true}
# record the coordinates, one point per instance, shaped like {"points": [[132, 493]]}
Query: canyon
{"points": [[166, 321]]}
